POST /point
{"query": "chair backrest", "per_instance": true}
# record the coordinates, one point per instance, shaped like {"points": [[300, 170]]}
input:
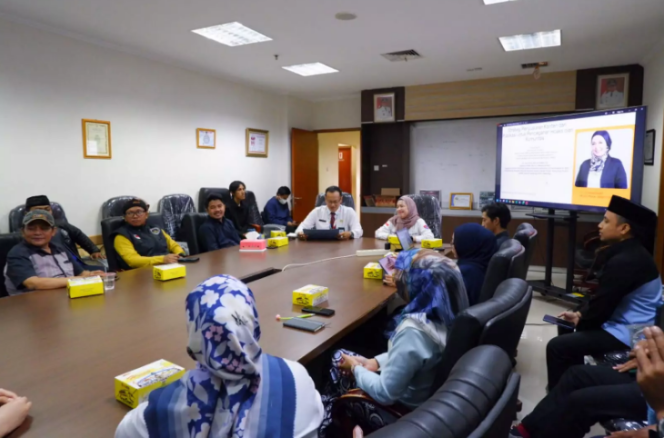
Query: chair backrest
{"points": [[518, 268], [466, 333], [204, 192], [501, 267], [109, 226], [16, 216], [429, 209], [505, 329], [254, 212], [477, 400], [7, 242], [346, 200], [526, 234], [113, 207], [172, 208], [191, 222]]}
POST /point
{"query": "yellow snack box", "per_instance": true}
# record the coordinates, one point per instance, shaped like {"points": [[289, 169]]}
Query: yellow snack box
{"points": [[85, 287], [169, 272], [374, 271], [394, 240], [432, 243], [276, 242], [275, 233], [310, 295], [133, 387]]}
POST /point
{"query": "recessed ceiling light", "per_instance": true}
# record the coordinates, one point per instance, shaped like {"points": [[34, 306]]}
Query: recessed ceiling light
{"points": [[529, 41], [345, 16], [312, 69], [493, 2], [232, 34]]}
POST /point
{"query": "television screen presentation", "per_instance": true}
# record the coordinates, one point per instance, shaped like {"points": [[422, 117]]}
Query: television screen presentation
{"points": [[571, 162]]}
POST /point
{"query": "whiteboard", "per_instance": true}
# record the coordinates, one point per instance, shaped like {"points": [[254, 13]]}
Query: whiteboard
{"points": [[455, 156]]}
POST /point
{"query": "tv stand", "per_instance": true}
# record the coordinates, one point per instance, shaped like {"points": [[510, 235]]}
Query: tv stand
{"points": [[546, 287]]}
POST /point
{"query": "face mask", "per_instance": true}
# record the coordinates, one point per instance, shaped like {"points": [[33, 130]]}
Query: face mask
{"points": [[283, 201]]}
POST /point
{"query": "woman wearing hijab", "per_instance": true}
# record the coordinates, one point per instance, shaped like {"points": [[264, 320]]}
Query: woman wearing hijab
{"points": [[407, 217], [236, 390], [432, 287], [474, 246], [601, 171]]}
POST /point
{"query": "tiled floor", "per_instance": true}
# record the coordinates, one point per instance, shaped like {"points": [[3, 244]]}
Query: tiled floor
{"points": [[531, 361]]}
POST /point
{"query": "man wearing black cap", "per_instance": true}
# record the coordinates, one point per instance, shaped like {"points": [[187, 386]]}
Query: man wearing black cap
{"points": [[139, 244], [66, 234], [629, 291], [37, 262]]}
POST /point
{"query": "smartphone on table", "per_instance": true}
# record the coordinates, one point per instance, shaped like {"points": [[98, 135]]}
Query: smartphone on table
{"points": [[304, 324], [318, 311], [559, 321]]}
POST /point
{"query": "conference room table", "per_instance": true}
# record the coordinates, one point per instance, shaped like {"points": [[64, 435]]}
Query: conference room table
{"points": [[63, 354]]}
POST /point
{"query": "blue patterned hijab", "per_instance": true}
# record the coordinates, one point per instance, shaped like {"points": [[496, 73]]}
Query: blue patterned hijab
{"points": [[474, 246], [215, 399]]}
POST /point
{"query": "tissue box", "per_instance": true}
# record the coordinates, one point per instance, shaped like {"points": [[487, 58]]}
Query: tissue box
{"points": [[133, 387], [432, 243], [276, 242], [275, 233], [253, 245], [394, 241], [169, 272], [310, 295], [84, 287], [374, 271]]}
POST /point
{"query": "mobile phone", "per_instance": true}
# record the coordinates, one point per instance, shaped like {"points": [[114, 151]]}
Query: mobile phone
{"points": [[385, 264], [188, 259], [304, 324], [318, 311], [558, 321]]}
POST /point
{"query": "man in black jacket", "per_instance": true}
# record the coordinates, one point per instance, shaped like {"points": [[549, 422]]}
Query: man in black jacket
{"points": [[67, 235]]}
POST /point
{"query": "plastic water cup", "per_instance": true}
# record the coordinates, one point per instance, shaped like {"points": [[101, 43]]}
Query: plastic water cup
{"points": [[109, 281]]}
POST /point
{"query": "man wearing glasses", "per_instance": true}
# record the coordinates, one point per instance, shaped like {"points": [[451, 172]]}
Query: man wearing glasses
{"points": [[138, 244]]}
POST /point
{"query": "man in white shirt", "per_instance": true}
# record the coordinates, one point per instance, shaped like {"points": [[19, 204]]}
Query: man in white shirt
{"points": [[332, 216]]}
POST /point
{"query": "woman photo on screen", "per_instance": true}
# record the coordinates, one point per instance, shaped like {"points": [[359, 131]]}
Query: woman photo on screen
{"points": [[601, 171]]}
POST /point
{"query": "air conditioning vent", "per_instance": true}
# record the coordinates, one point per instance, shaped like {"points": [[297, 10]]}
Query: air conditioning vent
{"points": [[535, 64], [404, 55]]}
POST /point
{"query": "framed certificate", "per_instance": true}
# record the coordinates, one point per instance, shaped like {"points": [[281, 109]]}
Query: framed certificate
{"points": [[461, 201], [257, 143], [96, 139], [206, 138]]}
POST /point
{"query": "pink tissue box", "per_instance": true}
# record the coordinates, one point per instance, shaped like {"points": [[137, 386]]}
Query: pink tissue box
{"points": [[253, 245]]}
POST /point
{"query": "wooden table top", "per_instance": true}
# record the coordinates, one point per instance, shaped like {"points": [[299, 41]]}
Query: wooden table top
{"points": [[64, 354]]}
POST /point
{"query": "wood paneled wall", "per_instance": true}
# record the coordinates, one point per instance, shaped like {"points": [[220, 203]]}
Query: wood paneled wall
{"points": [[552, 93], [386, 145]]}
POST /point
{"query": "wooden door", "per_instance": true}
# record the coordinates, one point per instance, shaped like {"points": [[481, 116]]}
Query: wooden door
{"points": [[345, 172], [304, 172]]}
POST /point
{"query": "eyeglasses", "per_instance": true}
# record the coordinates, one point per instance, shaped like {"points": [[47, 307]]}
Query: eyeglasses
{"points": [[135, 213]]}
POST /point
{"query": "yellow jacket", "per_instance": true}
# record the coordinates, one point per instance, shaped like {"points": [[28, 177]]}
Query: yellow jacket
{"points": [[126, 250]]}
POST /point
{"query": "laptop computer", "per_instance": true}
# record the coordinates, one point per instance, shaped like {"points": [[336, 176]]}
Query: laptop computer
{"points": [[322, 234]]}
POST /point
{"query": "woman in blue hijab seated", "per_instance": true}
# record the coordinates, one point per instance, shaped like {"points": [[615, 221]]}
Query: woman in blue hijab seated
{"points": [[474, 246], [432, 287], [236, 390]]}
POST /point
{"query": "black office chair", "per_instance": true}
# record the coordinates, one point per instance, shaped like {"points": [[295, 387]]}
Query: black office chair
{"points": [[503, 265], [113, 207], [505, 329], [526, 234], [254, 212], [172, 208], [191, 222], [478, 400], [17, 213], [429, 209], [108, 227], [7, 242], [204, 192], [346, 200]]}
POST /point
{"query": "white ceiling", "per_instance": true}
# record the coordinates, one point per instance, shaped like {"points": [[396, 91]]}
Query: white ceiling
{"points": [[452, 35]]}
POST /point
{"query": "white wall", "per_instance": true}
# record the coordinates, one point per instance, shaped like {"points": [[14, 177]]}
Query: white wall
{"points": [[48, 83], [653, 96], [338, 113]]}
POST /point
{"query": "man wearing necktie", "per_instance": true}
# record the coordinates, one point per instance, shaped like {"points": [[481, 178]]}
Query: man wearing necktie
{"points": [[332, 216]]}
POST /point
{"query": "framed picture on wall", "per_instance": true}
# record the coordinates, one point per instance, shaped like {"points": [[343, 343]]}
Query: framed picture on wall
{"points": [[384, 108], [649, 148], [461, 201], [258, 142], [612, 91], [96, 139], [206, 138]]}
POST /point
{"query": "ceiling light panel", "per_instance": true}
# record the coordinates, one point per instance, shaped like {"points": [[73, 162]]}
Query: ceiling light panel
{"points": [[232, 34], [493, 2], [529, 41], [312, 69]]}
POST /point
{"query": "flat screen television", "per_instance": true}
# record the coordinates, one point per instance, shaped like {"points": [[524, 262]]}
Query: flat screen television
{"points": [[572, 162]]}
